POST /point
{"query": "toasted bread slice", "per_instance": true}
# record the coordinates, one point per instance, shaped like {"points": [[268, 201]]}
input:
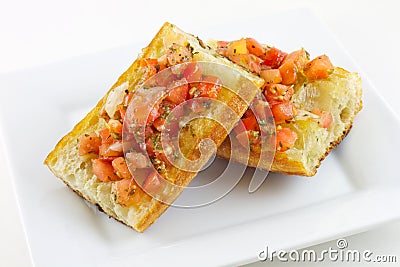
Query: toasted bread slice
{"points": [[77, 172], [340, 94]]}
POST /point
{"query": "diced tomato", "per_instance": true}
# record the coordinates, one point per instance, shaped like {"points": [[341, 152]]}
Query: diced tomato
{"points": [[88, 144], [152, 184], [288, 71], [115, 127], [293, 62], [150, 147], [298, 57], [250, 123], [271, 76], [318, 68], [273, 57], [152, 64], [222, 44], [193, 72], [238, 47], [106, 137], [248, 113], [278, 93], [153, 115], [248, 61], [111, 149], [159, 124], [121, 169], [255, 47], [179, 92], [284, 111], [127, 192], [104, 171], [326, 118], [209, 87], [285, 139], [142, 115], [178, 54], [222, 48], [137, 160]]}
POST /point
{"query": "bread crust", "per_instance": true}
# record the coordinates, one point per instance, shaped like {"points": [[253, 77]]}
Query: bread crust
{"points": [[64, 156]]}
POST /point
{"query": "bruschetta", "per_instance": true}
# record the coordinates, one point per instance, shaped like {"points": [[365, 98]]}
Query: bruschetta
{"points": [[91, 159], [313, 106]]}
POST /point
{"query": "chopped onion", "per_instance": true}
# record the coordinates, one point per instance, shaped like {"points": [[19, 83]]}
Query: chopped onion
{"points": [[116, 147], [305, 115], [115, 97]]}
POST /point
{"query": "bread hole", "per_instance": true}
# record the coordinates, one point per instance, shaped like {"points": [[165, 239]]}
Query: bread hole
{"points": [[82, 166], [345, 114]]}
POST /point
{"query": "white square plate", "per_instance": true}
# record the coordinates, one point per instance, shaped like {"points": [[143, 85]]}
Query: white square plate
{"points": [[356, 188]]}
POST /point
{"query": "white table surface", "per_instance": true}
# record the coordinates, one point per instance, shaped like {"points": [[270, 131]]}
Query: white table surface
{"points": [[38, 32]]}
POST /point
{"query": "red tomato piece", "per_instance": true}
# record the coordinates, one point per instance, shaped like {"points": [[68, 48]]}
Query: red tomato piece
{"points": [[250, 123], [273, 57], [120, 168], [152, 64], [178, 54], [293, 62], [154, 114], [179, 92], [159, 124], [105, 136], [255, 47], [318, 68], [104, 171], [285, 139], [248, 113], [288, 71], [127, 192], [111, 149], [150, 147], [88, 144], [283, 111], [222, 44], [299, 58], [209, 87], [271, 76], [248, 61], [326, 118]]}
